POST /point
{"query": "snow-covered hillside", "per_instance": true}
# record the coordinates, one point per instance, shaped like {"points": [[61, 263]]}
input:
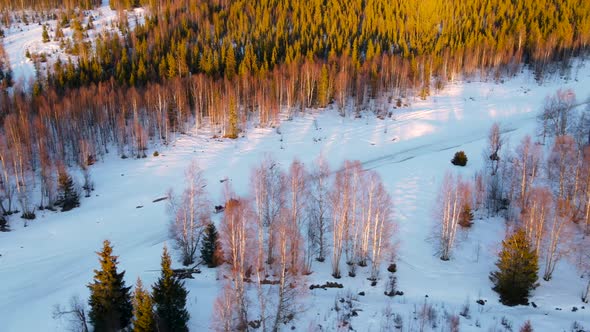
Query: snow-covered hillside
{"points": [[53, 258]]}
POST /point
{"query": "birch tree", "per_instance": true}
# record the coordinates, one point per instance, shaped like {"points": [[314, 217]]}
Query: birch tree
{"points": [[535, 217], [341, 197], [527, 164], [190, 214], [319, 206], [448, 212], [237, 237], [557, 236]]}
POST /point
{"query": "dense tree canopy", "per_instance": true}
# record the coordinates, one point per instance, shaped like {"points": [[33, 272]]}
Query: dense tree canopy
{"points": [[222, 38], [48, 4]]}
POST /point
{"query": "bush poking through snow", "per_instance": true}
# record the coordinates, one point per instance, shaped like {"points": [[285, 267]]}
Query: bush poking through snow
{"points": [[527, 327], [4, 224], [466, 216], [460, 159], [577, 327], [392, 268]]}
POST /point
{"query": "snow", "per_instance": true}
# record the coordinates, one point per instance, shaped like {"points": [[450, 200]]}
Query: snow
{"points": [[53, 258]]}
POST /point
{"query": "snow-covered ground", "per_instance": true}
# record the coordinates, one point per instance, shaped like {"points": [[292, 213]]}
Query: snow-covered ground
{"points": [[53, 258], [21, 37]]}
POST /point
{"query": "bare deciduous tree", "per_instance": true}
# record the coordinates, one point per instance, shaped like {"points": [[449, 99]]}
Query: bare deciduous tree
{"points": [[583, 249], [557, 235], [341, 198], [190, 214], [319, 206], [76, 314], [563, 169], [268, 187], [297, 194], [526, 163], [535, 216], [556, 113], [289, 285], [237, 230], [450, 206], [224, 311]]}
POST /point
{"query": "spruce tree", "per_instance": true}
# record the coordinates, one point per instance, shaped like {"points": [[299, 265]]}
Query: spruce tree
{"points": [[211, 249], [110, 301], [517, 270], [169, 297], [45, 34], [143, 309], [68, 197]]}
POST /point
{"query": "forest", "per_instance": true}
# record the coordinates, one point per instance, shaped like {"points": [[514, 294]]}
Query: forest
{"points": [[223, 64], [219, 65]]}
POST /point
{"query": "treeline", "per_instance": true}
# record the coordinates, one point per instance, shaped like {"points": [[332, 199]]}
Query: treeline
{"points": [[11, 5]]}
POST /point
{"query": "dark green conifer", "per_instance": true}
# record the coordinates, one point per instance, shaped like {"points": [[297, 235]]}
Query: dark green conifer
{"points": [[211, 249], [68, 197], [517, 270], [169, 297], [110, 301]]}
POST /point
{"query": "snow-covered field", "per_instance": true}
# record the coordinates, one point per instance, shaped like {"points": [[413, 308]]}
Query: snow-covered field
{"points": [[53, 258]]}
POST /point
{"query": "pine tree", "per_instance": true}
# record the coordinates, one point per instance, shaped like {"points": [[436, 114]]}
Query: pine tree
{"points": [[517, 270], [169, 297], [143, 309], [45, 34], [68, 197], [211, 249], [110, 301]]}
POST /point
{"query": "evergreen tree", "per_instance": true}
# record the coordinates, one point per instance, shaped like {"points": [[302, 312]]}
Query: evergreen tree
{"points": [[323, 87], [169, 297], [110, 301], [517, 270], [211, 249], [68, 197], [45, 34], [143, 309]]}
